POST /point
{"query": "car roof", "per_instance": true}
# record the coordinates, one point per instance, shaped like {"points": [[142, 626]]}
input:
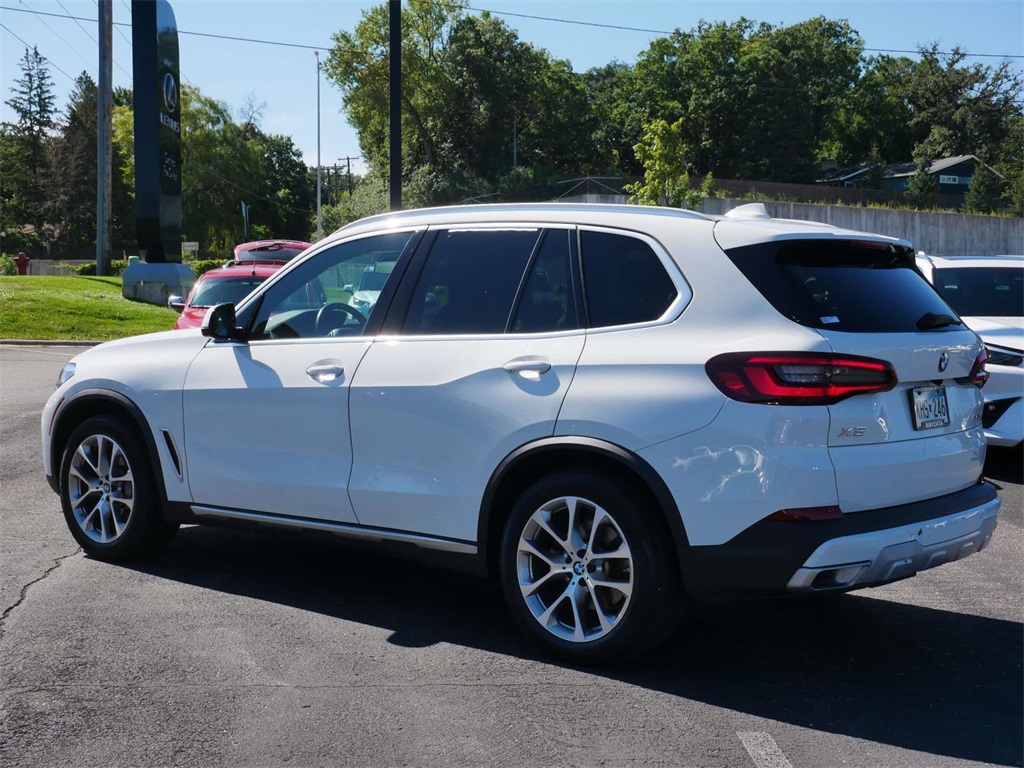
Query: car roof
{"points": [[745, 225], [269, 246]]}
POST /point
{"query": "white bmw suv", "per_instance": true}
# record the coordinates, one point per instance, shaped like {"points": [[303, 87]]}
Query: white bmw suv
{"points": [[613, 409]]}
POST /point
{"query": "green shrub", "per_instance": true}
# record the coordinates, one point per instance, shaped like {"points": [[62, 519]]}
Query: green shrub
{"points": [[89, 270], [7, 266], [205, 265]]}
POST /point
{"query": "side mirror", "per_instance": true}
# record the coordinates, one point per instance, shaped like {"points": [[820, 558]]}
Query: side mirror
{"points": [[349, 288], [219, 323], [176, 303]]}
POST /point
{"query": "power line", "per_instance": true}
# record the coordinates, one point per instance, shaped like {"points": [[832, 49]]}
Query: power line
{"points": [[180, 31], [41, 19], [666, 33], [79, 23], [27, 46], [534, 17]]}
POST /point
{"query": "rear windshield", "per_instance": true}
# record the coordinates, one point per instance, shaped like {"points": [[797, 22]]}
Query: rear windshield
{"points": [[224, 290], [983, 291], [841, 286]]}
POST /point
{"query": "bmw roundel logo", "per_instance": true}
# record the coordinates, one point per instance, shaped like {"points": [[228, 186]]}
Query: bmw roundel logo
{"points": [[170, 92], [943, 361]]}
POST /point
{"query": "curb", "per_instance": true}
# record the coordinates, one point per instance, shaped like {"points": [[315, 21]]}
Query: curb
{"points": [[47, 343]]}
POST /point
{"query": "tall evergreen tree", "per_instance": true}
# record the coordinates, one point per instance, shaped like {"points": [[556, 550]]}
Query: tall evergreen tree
{"points": [[922, 187], [33, 101], [985, 192]]}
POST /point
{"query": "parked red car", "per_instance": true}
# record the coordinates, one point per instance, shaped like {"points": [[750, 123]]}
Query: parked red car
{"points": [[252, 264], [227, 284]]}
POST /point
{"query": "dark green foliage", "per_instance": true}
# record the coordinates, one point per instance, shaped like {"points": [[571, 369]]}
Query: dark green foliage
{"points": [[985, 192]]}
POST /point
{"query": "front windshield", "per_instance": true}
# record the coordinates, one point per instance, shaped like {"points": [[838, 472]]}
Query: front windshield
{"points": [[224, 290], [983, 291], [373, 281]]}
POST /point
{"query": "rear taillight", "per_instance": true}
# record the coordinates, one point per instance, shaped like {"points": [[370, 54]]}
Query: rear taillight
{"points": [[797, 378], [979, 375]]}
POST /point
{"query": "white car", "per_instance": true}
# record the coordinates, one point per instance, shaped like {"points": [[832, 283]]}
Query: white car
{"points": [[988, 293], [612, 409]]}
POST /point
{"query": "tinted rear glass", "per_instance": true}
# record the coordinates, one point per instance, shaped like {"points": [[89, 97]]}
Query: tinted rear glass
{"points": [[983, 291], [624, 280], [230, 290], [840, 286]]}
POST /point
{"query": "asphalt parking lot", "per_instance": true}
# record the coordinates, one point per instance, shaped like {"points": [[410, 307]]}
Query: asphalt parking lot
{"points": [[239, 649]]}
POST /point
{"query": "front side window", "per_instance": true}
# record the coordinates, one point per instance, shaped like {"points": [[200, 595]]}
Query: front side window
{"points": [[316, 299], [470, 282], [623, 279]]}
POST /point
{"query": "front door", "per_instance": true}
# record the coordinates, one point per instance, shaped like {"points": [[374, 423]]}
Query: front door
{"points": [[267, 422]]}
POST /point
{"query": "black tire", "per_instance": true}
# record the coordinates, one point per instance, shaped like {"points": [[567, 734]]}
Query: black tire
{"points": [[108, 492], [566, 597]]}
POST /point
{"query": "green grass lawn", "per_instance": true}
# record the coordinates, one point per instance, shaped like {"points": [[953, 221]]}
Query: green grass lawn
{"points": [[74, 309]]}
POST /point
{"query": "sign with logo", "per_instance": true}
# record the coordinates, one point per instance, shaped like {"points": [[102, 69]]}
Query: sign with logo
{"points": [[157, 95]]}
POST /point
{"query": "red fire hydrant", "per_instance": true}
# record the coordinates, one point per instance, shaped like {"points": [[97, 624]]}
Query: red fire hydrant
{"points": [[21, 262]]}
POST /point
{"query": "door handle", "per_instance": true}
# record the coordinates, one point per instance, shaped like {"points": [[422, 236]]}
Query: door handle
{"points": [[325, 372], [528, 367]]}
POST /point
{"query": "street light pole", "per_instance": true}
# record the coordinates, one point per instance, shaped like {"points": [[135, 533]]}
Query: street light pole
{"points": [[319, 221]]}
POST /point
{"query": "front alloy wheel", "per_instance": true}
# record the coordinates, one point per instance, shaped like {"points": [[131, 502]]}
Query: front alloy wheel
{"points": [[101, 488], [108, 491], [575, 569]]}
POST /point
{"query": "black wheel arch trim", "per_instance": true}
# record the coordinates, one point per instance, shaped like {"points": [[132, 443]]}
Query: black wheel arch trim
{"points": [[122, 402], [596, 446]]}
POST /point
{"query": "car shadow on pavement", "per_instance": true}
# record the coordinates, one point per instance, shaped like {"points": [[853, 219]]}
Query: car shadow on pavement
{"points": [[1006, 464], [918, 678]]}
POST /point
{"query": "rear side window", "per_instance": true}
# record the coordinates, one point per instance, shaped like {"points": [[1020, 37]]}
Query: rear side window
{"points": [[548, 302], [623, 280], [470, 281], [983, 291], [840, 286]]}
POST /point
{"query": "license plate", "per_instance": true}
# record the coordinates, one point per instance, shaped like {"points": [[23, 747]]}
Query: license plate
{"points": [[930, 407]]}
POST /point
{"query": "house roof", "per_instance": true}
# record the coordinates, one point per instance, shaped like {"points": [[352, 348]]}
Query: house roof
{"points": [[904, 169]]}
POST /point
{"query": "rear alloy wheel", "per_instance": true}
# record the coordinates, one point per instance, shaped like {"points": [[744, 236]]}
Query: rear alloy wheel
{"points": [[108, 492], [586, 570]]}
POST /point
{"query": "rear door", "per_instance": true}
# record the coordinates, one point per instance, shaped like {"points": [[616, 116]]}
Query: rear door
{"points": [[922, 438], [477, 366]]}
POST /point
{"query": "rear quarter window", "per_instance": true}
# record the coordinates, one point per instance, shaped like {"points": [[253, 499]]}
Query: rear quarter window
{"points": [[841, 286]]}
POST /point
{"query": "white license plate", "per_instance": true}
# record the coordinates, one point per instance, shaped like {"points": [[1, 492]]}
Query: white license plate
{"points": [[930, 407]]}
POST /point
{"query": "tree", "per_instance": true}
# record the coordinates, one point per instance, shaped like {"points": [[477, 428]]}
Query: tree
{"points": [[922, 186], [663, 153], [985, 192], [474, 96], [875, 176], [24, 155], [34, 103]]}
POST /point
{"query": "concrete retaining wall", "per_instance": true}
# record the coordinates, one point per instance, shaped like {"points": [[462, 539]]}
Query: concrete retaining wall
{"points": [[941, 234]]}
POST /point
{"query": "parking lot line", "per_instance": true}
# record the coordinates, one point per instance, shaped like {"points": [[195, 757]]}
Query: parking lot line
{"points": [[763, 750]]}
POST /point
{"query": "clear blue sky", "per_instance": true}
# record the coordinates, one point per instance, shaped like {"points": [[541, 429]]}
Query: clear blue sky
{"points": [[286, 78]]}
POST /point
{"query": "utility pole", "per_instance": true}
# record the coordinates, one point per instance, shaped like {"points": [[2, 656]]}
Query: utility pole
{"points": [[348, 173], [395, 87], [103, 141], [319, 222]]}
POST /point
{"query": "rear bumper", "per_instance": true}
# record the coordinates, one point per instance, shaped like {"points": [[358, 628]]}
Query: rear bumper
{"points": [[861, 549]]}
